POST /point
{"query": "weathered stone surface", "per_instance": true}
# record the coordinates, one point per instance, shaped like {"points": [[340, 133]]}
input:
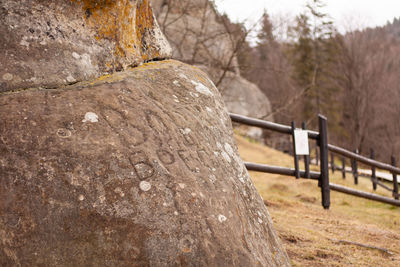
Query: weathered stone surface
{"points": [[56, 42], [136, 168], [194, 30], [244, 98]]}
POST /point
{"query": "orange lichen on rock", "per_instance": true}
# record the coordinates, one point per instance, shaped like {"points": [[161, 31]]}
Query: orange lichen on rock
{"points": [[144, 24], [120, 21]]}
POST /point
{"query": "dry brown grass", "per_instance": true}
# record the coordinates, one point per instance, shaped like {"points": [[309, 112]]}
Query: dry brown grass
{"points": [[309, 232]]}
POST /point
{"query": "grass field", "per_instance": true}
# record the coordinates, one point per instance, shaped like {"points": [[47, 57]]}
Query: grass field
{"points": [[317, 237]]}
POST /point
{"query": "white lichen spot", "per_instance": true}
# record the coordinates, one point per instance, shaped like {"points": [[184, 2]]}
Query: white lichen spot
{"points": [[175, 98], [229, 149], [226, 156], [8, 77], [119, 191], [145, 186], [185, 131], [219, 145], [216, 153], [76, 55], [259, 220], [241, 179], [176, 83], [202, 89], [71, 79], [209, 109], [176, 213], [81, 197], [183, 76], [213, 178], [90, 117], [194, 95], [221, 218], [181, 185], [24, 42]]}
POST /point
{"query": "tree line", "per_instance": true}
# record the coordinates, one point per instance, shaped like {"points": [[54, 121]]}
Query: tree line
{"points": [[351, 78]]}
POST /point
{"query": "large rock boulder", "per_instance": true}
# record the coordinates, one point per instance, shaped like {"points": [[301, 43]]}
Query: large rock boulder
{"points": [[135, 168], [55, 42]]}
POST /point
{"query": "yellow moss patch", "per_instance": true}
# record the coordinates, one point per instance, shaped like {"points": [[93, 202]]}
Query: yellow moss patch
{"points": [[122, 22]]}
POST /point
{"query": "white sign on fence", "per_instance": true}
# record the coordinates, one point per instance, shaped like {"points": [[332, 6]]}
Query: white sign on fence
{"points": [[301, 141]]}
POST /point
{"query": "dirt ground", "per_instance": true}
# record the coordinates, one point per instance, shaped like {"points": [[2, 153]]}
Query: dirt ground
{"points": [[353, 232]]}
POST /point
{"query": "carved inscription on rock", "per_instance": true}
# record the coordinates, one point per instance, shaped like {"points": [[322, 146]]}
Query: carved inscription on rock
{"points": [[130, 169]]}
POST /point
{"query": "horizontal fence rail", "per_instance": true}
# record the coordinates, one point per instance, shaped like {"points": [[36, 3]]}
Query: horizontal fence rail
{"points": [[279, 170], [362, 194], [321, 138], [365, 160], [268, 125]]}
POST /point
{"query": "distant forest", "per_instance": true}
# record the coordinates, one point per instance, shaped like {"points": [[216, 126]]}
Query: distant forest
{"points": [[353, 79]]}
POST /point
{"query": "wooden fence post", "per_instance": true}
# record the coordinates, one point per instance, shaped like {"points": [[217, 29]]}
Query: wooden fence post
{"points": [[343, 168], [354, 167], [306, 157], [395, 184], [333, 163], [316, 155], [373, 171], [323, 145], [296, 159]]}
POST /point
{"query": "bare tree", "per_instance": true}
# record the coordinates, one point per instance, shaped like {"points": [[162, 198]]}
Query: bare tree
{"points": [[201, 36]]}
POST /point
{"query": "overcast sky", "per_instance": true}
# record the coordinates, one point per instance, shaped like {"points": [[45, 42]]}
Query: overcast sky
{"points": [[363, 13]]}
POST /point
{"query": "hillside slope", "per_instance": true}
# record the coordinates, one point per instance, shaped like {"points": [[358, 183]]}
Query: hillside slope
{"points": [[311, 234]]}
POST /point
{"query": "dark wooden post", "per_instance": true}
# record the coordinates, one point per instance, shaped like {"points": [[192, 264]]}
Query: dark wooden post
{"points": [[395, 184], [333, 163], [296, 159], [316, 155], [343, 168], [324, 178], [355, 168], [306, 157], [373, 171]]}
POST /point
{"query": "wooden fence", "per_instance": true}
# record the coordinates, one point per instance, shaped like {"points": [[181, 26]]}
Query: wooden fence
{"points": [[321, 138]]}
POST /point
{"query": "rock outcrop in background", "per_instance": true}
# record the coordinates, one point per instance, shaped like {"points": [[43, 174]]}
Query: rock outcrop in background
{"points": [[200, 36], [245, 98], [134, 168]]}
